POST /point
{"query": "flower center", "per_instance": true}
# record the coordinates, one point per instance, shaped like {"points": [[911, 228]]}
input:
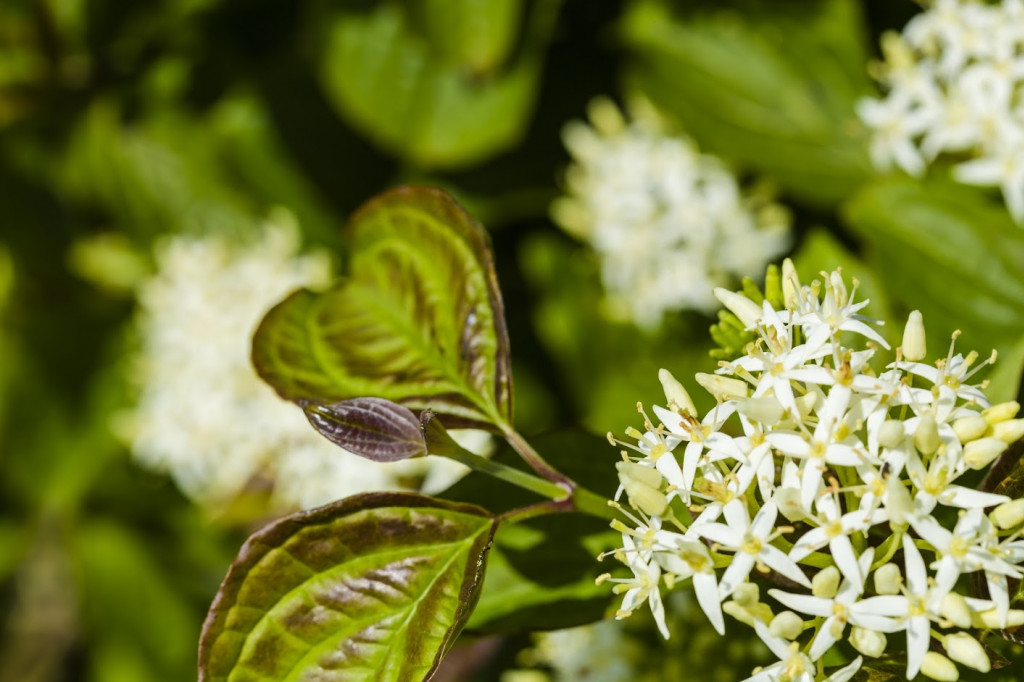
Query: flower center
{"points": [[752, 545]]}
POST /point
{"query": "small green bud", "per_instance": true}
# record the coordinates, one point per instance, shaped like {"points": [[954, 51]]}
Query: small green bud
{"points": [[978, 454], [825, 583], [891, 433], [675, 394], [1009, 514], [938, 667], [1001, 412], [926, 435], [868, 642], [970, 428], [748, 312], [786, 625], [954, 608], [1008, 431], [914, 347], [888, 579], [964, 649], [723, 388]]}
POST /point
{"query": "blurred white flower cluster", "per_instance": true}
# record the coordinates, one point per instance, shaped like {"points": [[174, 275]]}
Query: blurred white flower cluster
{"points": [[955, 81], [203, 414], [668, 223], [839, 484]]}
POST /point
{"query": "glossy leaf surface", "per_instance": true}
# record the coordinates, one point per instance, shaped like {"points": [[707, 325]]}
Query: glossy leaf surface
{"points": [[374, 587], [419, 322], [376, 429]]}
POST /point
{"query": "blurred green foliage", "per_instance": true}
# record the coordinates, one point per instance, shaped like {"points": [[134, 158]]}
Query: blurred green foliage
{"points": [[124, 122]]}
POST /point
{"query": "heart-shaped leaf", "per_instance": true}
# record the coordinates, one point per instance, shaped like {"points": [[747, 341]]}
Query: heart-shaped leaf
{"points": [[376, 429], [374, 587], [419, 322]]}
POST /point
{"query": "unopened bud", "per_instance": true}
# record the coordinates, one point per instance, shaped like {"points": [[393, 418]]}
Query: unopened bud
{"points": [[914, 348], [838, 286], [926, 435], [675, 394], [746, 594], [645, 498], [978, 454], [898, 502], [1008, 514], [786, 625], [990, 620], [954, 608], [868, 642], [938, 667], [764, 410], [825, 583], [970, 428], [891, 433], [748, 312], [1001, 412], [790, 284], [806, 403], [963, 648], [1009, 431], [888, 579], [723, 388]]}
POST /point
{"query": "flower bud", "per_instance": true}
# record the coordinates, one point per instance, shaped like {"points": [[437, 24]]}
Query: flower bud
{"points": [[825, 583], [1001, 412], [764, 410], [790, 284], [970, 428], [738, 612], [637, 482], [675, 394], [891, 433], [954, 608], [746, 594], [898, 503], [806, 403], [914, 348], [978, 454], [868, 642], [1009, 514], [838, 287], [938, 667], [964, 649], [888, 579], [723, 388], [748, 312], [926, 435], [786, 625], [1008, 431], [990, 620]]}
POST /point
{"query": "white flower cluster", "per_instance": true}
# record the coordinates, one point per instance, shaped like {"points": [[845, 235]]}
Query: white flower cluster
{"points": [[668, 223], [838, 483], [955, 84], [203, 415]]}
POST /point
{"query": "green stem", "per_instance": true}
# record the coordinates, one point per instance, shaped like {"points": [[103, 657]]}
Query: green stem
{"points": [[887, 549], [533, 458], [505, 473], [587, 502]]}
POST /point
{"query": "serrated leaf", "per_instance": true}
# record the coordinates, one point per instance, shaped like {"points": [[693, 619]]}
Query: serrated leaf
{"points": [[379, 430], [385, 79], [419, 322], [771, 85], [374, 587]]}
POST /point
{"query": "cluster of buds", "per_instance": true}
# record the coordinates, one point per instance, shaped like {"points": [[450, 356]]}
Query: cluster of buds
{"points": [[839, 484]]}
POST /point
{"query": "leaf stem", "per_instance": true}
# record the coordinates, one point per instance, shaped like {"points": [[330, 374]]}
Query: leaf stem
{"points": [[536, 462], [506, 473]]}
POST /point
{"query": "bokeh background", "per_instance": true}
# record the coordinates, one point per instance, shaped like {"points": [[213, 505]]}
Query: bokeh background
{"points": [[124, 125]]}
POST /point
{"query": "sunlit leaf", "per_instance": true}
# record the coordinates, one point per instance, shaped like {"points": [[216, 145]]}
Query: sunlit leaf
{"points": [[386, 81], [477, 35], [419, 322], [374, 587], [376, 429]]}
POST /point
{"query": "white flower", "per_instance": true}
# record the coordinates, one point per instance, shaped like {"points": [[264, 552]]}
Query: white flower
{"points": [[953, 82], [203, 415], [751, 541], [793, 665], [668, 224], [845, 607]]}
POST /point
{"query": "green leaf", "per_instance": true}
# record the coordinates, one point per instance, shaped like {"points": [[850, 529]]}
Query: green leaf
{"points": [[374, 587], [950, 252], [771, 85], [477, 35], [388, 83], [419, 322], [379, 430]]}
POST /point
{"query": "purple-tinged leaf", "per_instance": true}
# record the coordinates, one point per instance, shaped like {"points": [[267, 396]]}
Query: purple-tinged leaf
{"points": [[373, 588], [374, 428]]}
